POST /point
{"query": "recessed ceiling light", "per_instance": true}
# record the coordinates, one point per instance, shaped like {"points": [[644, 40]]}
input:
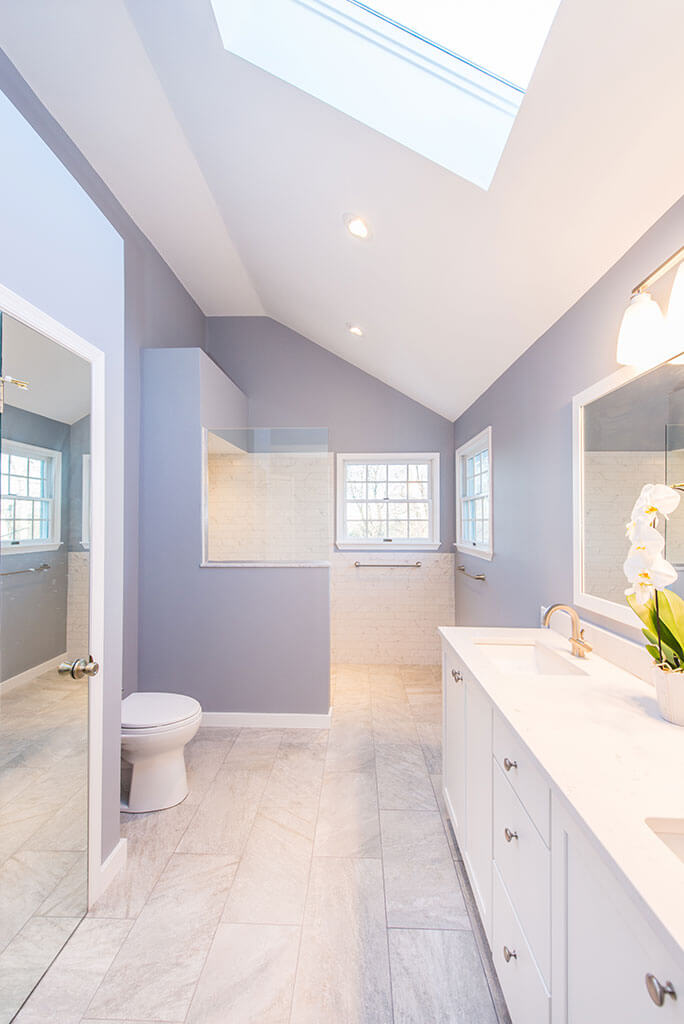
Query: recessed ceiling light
{"points": [[356, 331], [356, 226]]}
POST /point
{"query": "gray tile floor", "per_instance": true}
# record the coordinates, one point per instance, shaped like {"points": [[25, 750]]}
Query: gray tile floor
{"points": [[309, 877]]}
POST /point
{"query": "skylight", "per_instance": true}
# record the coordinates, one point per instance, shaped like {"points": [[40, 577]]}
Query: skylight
{"points": [[443, 77]]}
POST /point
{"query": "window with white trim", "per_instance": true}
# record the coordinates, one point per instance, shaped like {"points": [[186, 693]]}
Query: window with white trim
{"points": [[388, 501], [474, 496], [30, 497]]}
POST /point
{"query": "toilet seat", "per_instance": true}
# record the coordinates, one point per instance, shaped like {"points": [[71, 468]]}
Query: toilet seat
{"points": [[143, 713]]}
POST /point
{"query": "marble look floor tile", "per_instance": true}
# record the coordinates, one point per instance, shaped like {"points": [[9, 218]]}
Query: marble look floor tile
{"points": [[152, 838], [254, 749], [348, 822], [26, 880], [27, 957], [69, 898], [203, 759], [393, 726], [430, 737], [437, 978], [66, 829], [271, 881], [350, 746], [403, 780], [155, 972], [421, 885], [343, 973], [225, 817], [248, 977], [64, 993]]}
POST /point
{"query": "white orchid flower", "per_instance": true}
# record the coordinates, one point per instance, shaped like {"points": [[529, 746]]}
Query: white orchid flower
{"points": [[655, 500], [647, 573], [645, 538]]}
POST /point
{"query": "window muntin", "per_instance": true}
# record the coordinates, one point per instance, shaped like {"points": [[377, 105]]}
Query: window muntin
{"points": [[30, 488], [473, 498], [388, 499]]}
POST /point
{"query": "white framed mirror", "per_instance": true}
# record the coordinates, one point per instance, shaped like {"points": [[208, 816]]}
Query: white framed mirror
{"points": [[628, 430]]}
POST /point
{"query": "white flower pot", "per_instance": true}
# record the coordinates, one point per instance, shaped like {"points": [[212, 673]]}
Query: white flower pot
{"points": [[670, 693]]}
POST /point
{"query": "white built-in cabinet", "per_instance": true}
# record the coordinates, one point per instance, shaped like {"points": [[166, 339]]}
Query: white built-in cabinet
{"points": [[569, 943]]}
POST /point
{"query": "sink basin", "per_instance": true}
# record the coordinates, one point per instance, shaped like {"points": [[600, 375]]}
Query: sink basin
{"points": [[671, 832], [527, 659]]}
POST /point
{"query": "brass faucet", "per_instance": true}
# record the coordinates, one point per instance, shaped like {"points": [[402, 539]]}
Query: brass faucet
{"points": [[579, 645]]}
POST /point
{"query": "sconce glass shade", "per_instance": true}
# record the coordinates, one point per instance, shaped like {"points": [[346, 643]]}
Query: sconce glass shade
{"points": [[675, 314], [643, 340]]}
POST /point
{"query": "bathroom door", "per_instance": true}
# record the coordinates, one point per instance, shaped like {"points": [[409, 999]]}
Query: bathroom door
{"points": [[44, 630]]}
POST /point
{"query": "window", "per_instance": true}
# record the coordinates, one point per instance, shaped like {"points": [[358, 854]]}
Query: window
{"points": [[30, 488], [444, 79], [385, 500], [474, 496]]}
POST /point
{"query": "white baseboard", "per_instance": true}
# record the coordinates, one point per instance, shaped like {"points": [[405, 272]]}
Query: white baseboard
{"points": [[98, 881], [264, 720], [31, 673]]}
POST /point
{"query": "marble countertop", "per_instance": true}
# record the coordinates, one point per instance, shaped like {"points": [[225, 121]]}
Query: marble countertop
{"points": [[600, 739]]}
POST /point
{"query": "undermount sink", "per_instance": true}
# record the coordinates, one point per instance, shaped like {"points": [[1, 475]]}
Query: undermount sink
{"points": [[527, 659], [671, 832]]}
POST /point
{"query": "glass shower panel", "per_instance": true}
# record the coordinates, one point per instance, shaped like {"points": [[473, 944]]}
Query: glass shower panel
{"points": [[268, 494], [674, 475]]}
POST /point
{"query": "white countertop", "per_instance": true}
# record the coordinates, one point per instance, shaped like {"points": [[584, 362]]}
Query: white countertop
{"points": [[603, 744]]}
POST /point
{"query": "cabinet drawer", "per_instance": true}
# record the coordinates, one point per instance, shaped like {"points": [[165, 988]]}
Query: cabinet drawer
{"points": [[524, 776], [524, 863], [526, 996]]}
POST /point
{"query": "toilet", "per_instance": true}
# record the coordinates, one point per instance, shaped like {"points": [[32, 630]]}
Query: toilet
{"points": [[154, 730]]}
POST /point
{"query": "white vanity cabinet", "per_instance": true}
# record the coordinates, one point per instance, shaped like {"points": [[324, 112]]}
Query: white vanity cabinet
{"points": [[571, 942]]}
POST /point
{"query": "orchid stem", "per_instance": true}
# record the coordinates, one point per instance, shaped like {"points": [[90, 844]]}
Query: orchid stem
{"points": [[657, 612]]}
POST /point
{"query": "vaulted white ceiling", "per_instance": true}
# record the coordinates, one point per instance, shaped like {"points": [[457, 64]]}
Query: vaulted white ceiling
{"points": [[241, 181]]}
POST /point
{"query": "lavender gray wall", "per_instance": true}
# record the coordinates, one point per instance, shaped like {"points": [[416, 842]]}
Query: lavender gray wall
{"points": [[34, 607], [56, 254], [236, 639], [292, 382], [530, 410]]}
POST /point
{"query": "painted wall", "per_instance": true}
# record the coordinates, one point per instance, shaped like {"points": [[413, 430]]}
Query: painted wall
{"points": [[377, 615], [530, 411], [70, 248], [34, 607], [236, 639]]}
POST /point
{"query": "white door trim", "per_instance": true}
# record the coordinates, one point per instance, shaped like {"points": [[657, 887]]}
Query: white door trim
{"points": [[18, 308]]}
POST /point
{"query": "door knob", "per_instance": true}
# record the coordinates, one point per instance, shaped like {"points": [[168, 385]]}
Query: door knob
{"points": [[510, 835], [79, 668], [509, 954], [508, 764]]}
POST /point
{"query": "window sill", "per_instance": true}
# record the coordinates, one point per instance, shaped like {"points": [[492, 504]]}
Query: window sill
{"points": [[356, 545], [27, 549], [476, 552]]}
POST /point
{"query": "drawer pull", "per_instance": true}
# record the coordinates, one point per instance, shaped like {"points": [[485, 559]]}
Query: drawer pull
{"points": [[657, 991], [509, 764], [509, 954], [458, 676], [510, 835]]}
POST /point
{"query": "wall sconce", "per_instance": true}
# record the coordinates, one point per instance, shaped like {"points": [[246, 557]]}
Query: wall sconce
{"points": [[646, 337]]}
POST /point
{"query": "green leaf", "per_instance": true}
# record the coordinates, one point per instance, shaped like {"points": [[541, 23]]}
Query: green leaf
{"points": [[653, 651]]}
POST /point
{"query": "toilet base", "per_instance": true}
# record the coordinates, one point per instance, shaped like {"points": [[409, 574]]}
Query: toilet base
{"points": [[157, 783]]}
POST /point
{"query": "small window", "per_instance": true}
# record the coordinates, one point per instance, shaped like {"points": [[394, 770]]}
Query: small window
{"points": [[388, 501], [474, 496], [30, 489]]}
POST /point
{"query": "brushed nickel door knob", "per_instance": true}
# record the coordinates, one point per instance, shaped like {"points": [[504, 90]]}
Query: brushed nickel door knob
{"points": [[509, 764], [79, 668], [509, 954], [657, 991], [510, 835]]}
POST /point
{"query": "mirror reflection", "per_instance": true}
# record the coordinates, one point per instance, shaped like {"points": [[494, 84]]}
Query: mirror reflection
{"points": [[632, 436]]}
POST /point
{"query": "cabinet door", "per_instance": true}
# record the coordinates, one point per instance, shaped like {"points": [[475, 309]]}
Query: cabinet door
{"points": [[609, 947], [478, 847], [453, 745]]}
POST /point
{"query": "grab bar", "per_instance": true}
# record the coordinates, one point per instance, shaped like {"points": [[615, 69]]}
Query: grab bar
{"points": [[18, 572], [478, 576], [388, 565]]}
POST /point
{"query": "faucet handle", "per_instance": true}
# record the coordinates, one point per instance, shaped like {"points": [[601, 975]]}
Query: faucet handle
{"points": [[587, 646]]}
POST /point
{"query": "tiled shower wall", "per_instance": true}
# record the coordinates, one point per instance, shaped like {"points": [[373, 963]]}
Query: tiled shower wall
{"points": [[613, 481], [78, 596], [279, 508]]}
